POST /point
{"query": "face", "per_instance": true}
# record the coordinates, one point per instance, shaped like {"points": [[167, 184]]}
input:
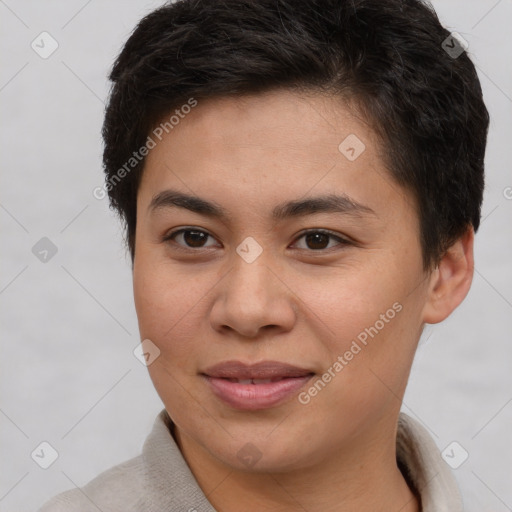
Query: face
{"points": [[302, 255]]}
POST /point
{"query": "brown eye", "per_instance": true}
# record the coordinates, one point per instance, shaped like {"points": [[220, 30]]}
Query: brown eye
{"points": [[317, 240], [194, 238], [189, 238]]}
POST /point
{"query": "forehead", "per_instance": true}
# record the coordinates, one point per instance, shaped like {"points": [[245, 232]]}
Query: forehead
{"points": [[284, 120], [261, 149]]}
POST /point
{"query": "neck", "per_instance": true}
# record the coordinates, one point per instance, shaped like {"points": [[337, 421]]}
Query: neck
{"points": [[363, 476]]}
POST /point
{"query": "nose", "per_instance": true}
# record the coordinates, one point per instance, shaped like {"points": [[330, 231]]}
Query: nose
{"points": [[253, 300]]}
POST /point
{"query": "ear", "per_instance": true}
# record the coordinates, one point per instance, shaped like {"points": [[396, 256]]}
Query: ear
{"points": [[451, 280]]}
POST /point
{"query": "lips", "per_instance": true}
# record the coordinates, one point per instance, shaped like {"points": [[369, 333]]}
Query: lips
{"points": [[266, 370], [255, 381], [258, 386]]}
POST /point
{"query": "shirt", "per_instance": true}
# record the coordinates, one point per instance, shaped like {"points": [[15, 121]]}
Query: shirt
{"points": [[159, 479]]}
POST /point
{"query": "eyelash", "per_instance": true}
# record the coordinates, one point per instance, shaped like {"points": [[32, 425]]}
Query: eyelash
{"points": [[341, 241]]}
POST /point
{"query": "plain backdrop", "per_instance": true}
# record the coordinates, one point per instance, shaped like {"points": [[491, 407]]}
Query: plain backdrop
{"points": [[68, 373]]}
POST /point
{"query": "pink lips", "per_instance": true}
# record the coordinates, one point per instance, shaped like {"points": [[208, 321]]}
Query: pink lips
{"points": [[258, 386]]}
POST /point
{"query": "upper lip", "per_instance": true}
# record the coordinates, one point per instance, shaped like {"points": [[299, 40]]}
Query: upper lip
{"points": [[262, 370]]}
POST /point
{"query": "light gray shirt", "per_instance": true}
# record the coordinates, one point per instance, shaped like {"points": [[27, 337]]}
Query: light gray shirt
{"points": [[159, 479]]}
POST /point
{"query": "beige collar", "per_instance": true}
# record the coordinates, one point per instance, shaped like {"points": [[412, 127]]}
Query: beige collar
{"points": [[171, 485]]}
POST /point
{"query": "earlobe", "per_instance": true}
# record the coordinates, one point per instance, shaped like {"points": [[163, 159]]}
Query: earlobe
{"points": [[451, 280]]}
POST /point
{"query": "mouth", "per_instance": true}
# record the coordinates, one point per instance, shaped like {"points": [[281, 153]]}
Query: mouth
{"points": [[258, 381], [254, 387]]}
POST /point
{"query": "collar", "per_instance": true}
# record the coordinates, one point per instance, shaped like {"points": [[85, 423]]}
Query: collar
{"points": [[171, 485], [422, 465]]}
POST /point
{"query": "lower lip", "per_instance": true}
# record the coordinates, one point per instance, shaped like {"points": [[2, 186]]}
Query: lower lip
{"points": [[252, 397]]}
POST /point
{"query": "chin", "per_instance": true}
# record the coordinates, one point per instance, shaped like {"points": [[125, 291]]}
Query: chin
{"points": [[258, 452]]}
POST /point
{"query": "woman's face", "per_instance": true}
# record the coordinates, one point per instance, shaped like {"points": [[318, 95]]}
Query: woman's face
{"points": [[307, 259]]}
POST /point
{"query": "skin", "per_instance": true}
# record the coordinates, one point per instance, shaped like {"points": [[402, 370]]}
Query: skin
{"points": [[295, 303]]}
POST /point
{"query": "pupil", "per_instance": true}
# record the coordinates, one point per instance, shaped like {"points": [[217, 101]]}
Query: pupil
{"points": [[195, 239], [317, 239]]}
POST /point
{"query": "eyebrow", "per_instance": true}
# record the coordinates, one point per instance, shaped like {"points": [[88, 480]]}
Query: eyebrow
{"points": [[330, 203]]}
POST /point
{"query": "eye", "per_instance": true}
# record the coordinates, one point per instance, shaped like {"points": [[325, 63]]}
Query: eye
{"points": [[318, 240], [189, 238], [315, 240]]}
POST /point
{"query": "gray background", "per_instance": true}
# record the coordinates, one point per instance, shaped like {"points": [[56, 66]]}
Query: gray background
{"points": [[68, 374]]}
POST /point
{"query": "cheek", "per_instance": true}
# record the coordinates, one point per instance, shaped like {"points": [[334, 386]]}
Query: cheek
{"points": [[159, 302], [369, 319], [170, 310], [349, 300], [171, 306]]}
